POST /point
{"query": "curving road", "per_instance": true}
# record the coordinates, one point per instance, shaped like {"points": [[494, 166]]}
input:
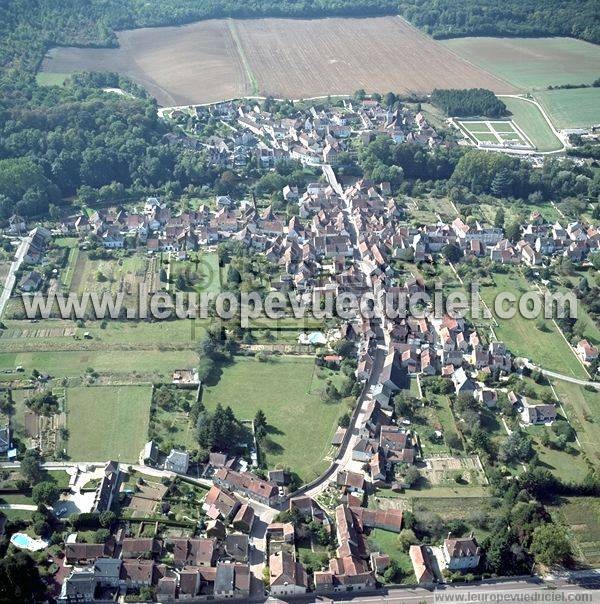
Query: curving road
{"points": [[343, 460], [561, 376]]}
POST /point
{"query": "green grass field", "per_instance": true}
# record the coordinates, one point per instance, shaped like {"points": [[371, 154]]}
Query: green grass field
{"points": [[522, 336], [576, 108], [532, 63], [288, 390], [530, 119], [51, 79], [119, 363], [583, 410], [112, 275], [386, 542], [18, 417], [49, 334], [66, 274], [204, 275], [563, 465], [107, 422]]}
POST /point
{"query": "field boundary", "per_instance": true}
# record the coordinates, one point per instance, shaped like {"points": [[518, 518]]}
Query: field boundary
{"points": [[254, 88]]}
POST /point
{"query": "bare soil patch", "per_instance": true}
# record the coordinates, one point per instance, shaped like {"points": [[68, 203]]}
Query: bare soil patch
{"points": [[303, 58], [177, 65], [295, 58]]}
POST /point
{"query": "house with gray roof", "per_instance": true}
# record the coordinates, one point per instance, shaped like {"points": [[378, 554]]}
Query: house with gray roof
{"points": [[177, 461]]}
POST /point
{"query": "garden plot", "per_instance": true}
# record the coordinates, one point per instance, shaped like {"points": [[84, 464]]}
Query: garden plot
{"points": [[117, 273], [495, 133], [442, 470]]}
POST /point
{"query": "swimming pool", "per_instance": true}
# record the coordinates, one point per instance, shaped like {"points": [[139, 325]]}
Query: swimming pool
{"points": [[24, 541]]}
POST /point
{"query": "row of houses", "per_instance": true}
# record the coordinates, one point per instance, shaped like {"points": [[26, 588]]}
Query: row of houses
{"points": [[309, 135]]}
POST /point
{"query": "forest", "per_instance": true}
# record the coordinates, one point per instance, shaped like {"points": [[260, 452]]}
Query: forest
{"points": [[468, 103], [456, 18], [64, 141]]}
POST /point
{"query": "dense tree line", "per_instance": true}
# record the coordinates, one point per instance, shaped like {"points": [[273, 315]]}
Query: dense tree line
{"points": [[456, 18], [466, 172], [383, 159], [469, 102], [20, 579]]}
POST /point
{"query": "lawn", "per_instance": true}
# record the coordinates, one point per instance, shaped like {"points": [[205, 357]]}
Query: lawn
{"points": [[18, 417], [459, 492], [203, 274], [386, 542], [288, 390], [532, 63], [583, 410], [119, 364], [565, 466], [530, 119], [171, 428], [57, 334], [576, 108], [121, 273], [51, 79], [107, 422], [66, 274], [523, 336]]}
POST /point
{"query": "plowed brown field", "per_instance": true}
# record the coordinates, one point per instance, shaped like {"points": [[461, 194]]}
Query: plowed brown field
{"points": [[220, 59]]}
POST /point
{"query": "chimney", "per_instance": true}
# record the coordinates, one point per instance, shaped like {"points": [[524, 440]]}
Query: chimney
{"points": [[449, 535]]}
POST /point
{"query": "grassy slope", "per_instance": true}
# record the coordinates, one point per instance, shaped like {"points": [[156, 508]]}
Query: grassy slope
{"points": [[523, 338], [530, 119], [571, 108], [286, 390], [532, 63], [583, 410], [107, 422]]}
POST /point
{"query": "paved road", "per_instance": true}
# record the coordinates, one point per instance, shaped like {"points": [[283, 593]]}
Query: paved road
{"points": [[343, 459], [562, 376], [530, 589]]}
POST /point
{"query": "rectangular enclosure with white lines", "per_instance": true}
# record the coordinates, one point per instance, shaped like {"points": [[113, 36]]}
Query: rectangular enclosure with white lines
{"points": [[495, 134]]}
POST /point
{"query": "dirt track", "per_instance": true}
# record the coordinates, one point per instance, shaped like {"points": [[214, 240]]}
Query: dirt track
{"points": [[219, 59]]}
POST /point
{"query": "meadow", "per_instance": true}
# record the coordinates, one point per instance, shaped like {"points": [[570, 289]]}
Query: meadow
{"points": [[288, 390], [107, 422], [583, 410], [524, 337], [531, 120], [531, 63], [575, 108], [64, 335], [118, 365]]}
